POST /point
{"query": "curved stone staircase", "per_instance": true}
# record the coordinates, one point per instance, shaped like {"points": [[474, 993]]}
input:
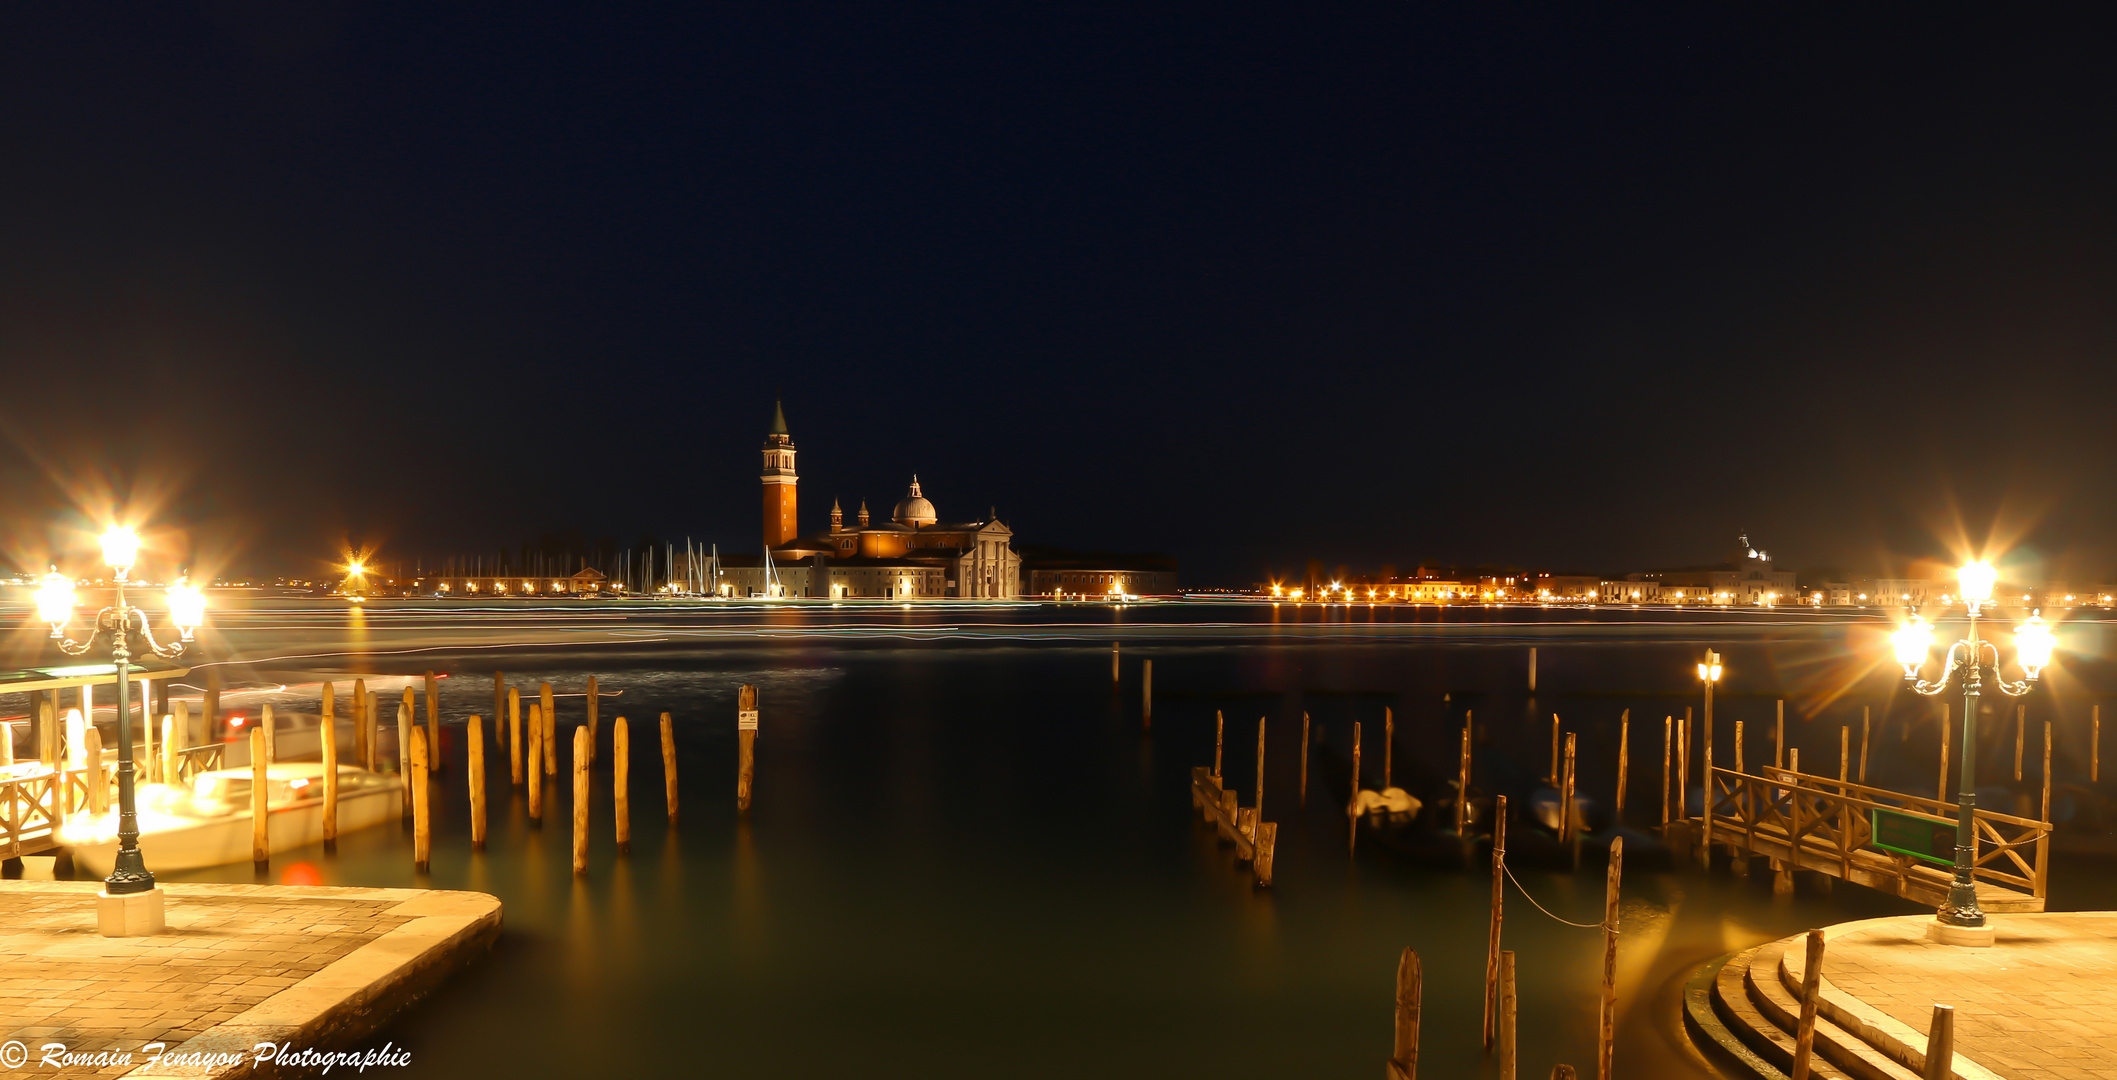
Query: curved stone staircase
{"points": [[1743, 1010]]}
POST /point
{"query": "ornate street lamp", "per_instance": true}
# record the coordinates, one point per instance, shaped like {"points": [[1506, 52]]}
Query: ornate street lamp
{"points": [[187, 609], [1966, 664]]}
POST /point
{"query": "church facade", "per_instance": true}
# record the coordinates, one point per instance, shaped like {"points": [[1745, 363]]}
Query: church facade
{"points": [[912, 554]]}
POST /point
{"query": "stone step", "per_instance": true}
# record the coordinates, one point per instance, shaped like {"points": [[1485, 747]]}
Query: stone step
{"points": [[1760, 981], [1781, 1001], [1751, 1022], [1851, 1047]]}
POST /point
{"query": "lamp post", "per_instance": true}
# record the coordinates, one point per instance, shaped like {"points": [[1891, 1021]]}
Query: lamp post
{"points": [[1960, 920], [187, 608]]}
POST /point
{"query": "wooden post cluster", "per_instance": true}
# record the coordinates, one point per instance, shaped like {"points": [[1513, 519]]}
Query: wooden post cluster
{"points": [[745, 743], [1255, 839], [1404, 1054]]}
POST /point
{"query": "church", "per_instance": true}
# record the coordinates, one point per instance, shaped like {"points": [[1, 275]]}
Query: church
{"points": [[912, 555]]}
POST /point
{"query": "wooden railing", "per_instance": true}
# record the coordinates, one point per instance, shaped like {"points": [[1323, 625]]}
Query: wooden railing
{"points": [[1815, 821], [193, 760]]}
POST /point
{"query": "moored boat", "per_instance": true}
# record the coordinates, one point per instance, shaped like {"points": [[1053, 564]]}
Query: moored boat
{"points": [[209, 822]]}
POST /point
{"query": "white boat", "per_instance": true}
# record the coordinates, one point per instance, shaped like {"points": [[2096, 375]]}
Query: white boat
{"points": [[208, 823]]}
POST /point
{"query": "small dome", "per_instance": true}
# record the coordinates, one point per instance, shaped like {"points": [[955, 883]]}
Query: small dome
{"points": [[913, 509]]}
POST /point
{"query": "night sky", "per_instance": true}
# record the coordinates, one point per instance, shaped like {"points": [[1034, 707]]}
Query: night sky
{"points": [[1249, 284]]}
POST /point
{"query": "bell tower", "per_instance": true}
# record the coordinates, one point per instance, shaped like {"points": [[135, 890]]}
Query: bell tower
{"points": [[779, 482]]}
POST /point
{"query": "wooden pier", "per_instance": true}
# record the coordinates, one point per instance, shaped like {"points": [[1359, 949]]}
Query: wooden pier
{"points": [[1253, 837], [1802, 821]]}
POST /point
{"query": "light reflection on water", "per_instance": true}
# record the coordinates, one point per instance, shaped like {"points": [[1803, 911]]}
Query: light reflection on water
{"points": [[969, 859]]}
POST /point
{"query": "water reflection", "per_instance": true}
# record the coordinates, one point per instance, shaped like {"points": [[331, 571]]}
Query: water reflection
{"points": [[962, 856]]}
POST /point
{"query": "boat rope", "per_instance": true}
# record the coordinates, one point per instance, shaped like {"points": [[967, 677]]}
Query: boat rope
{"points": [[1547, 911]]}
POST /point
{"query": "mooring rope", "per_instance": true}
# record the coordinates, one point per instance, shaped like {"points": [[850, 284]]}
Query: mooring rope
{"points": [[1547, 911]]}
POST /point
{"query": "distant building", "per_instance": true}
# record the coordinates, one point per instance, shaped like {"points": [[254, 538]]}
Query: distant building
{"points": [[1063, 574], [912, 555], [588, 582]]}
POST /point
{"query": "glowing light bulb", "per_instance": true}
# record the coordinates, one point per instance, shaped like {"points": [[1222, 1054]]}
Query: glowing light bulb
{"points": [[1912, 641], [121, 548], [55, 600], [2033, 643], [1977, 579]]}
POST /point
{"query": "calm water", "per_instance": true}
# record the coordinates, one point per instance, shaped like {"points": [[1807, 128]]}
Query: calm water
{"points": [[966, 856]]}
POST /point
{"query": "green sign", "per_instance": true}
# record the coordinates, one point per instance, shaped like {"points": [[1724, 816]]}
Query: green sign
{"points": [[1931, 839]]}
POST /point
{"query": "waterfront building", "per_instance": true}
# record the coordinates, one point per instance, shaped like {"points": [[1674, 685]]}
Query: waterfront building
{"points": [[1062, 574], [913, 554]]}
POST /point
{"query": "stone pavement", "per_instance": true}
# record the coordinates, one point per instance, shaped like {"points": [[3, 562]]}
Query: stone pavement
{"points": [[239, 965], [2041, 1004]]}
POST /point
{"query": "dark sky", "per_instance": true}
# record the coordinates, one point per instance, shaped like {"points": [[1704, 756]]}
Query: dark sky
{"points": [[1252, 284]]}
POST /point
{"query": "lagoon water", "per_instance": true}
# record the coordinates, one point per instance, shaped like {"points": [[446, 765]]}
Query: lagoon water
{"points": [[968, 856]]}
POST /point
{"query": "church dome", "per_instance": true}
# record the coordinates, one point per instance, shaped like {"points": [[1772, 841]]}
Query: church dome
{"points": [[913, 509]]}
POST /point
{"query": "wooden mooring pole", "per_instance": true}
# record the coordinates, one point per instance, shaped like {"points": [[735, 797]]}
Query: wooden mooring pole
{"points": [[536, 775], [1492, 937], [474, 742], [1940, 1045], [1805, 1027], [595, 717], [550, 730], [169, 756], [514, 735], [2095, 749], [422, 820], [1683, 764], [1352, 809], [1565, 797], [1555, 777], [1779, 735], [1113, 666], [1864, 718], [327, 730], [98, 781], [1607, 1038], [1506, 1022], [745, 743], [1624, 762], [1219, 724], [260, 821], [361, 753], [580, 800], [1404, 1055], [1668, 744], [669, 764], [499, 702], [621, 781], [405, 727], [2021, 724], [433, 724], [1146, 693], [1462, 788], [1389, 743]]}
